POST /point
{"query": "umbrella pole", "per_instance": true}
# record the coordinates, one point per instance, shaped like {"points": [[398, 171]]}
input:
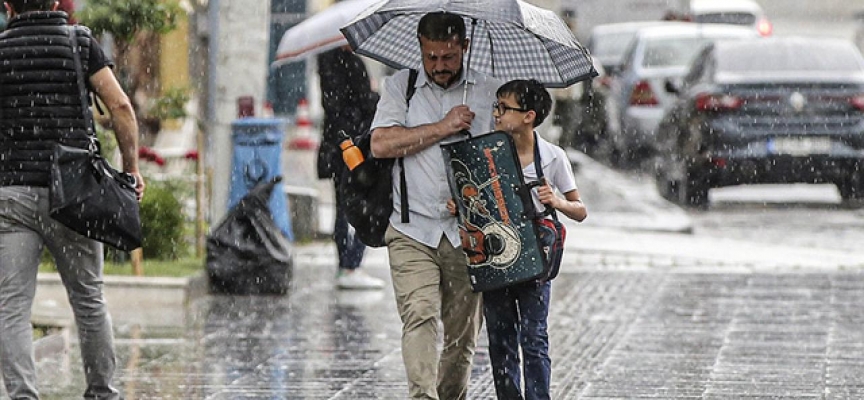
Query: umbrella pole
{"points": [[468, 64]]}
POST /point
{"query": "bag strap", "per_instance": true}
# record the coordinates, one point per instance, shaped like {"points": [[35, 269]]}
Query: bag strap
{"points": [[538, 167], [412, 81], [403, 184], [82, 88]]}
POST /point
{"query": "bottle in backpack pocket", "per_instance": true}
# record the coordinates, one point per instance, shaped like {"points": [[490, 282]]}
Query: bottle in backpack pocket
{"points": [[351, 154]]}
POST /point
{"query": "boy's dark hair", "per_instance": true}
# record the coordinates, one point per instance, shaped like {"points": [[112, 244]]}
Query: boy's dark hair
{"points": [[530, 95], [441, 26], [22, 6]]}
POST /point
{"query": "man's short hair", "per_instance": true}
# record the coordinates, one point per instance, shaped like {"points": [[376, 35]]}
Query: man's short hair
{"points": [[530, 95], [441, 26], [22, 6]]}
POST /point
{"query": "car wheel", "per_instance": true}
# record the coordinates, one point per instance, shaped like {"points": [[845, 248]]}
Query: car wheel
{"points": [[693, 190], [616, 157], [666, 188], [851, 187]]}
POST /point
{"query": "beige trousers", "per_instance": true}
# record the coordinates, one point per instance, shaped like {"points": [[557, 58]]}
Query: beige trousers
{"points": [[430, 284]]}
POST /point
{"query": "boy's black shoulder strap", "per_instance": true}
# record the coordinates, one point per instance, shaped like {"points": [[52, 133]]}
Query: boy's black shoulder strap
{"points": [[538, 166], [403, 184]]}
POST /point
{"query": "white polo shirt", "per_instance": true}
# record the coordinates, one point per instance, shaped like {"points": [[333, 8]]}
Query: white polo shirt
{"points": [[425, 175]]}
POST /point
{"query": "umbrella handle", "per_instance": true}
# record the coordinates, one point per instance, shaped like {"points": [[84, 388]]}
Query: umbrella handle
{"points": [[468, 64]]}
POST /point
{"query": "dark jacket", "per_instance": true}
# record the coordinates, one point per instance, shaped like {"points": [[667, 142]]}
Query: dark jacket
{"points": [[39, 98], [349, 105]]}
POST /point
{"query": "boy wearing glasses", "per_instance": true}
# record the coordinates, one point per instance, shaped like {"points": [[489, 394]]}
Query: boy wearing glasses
{"points": [[516, 315]]}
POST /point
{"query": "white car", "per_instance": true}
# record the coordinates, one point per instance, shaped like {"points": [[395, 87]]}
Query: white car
{"points": [[637, 94], [609, 42], [859, 33], [734, 12]]}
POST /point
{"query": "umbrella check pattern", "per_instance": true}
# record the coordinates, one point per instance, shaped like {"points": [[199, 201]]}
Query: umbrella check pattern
{"points": [[511, 39]]}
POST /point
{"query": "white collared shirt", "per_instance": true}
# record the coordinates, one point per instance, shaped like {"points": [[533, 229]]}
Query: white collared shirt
{"points": [[556, 169], [425, 175]]}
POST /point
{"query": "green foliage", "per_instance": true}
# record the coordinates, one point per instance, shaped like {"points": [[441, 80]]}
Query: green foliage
{"points": [[179, 268], [162, 222], [124, 18], [171, 105], [107, 141]]}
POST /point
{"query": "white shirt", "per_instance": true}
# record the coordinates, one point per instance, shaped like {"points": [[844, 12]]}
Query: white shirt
{"points": [[556, 168], [425, 175]]}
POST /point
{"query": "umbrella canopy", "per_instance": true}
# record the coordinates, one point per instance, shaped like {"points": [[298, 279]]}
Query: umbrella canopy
{"points": [[320, 32], [511, 40]]}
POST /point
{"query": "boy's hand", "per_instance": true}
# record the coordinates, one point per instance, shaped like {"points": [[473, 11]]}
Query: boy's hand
{"points": [[451, 207], [546, 195]]}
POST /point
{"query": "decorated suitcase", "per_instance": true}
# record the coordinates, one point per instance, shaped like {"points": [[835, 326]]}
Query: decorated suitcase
{"points": [[495, 211]]}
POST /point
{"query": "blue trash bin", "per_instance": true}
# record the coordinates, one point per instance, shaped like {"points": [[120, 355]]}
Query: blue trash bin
{"points": [[257, 149]]}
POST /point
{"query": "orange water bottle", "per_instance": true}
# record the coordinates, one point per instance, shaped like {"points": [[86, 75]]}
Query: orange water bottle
{"points": [[351, 154]]}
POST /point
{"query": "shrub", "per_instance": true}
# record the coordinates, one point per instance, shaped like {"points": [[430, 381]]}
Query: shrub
{"points": [[162, 223]]}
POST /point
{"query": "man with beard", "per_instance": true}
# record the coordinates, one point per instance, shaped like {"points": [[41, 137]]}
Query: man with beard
{"points": [[427, 265]]}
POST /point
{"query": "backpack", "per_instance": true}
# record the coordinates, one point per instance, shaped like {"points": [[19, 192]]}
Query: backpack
{"points": [[550, 232], [366, 192]]}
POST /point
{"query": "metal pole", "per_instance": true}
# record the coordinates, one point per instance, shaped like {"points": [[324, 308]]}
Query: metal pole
{"points": [[468, 64]]}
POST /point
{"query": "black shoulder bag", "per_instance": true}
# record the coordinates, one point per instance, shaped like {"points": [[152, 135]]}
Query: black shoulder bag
{"points": [[87, 194]]}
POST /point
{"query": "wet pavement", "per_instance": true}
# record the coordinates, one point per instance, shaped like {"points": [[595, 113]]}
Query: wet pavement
{"points": [[615, 332], [638, 311]]}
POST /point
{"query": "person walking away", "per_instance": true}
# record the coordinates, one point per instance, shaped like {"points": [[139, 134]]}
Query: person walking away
{"points": [[349, 105], [516, 315], [41, 106], [427, 265]]}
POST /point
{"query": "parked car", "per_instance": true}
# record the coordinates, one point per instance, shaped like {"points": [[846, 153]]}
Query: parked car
{"points": [[608, 43], [734, 12], [778, 110], [637, 97]]}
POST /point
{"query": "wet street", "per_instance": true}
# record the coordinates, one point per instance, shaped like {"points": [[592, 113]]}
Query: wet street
{"points": [[762, 300]]}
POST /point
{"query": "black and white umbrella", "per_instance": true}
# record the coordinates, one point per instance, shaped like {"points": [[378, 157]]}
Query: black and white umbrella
{"points": [[510, 39]]}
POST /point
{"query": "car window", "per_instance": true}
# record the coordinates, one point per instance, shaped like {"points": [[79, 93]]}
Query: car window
{"points": [[734, 18], [678, 52], [767, 58], [627, 60], [671, 52], [612, 45], [697, 71]]}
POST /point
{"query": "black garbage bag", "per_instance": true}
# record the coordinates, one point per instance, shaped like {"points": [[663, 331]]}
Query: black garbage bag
{"points": [[247, 253]]}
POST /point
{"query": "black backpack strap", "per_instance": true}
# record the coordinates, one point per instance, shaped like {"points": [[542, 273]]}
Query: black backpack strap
{"points": [[539, 169], [412, 81], [403, 184]]}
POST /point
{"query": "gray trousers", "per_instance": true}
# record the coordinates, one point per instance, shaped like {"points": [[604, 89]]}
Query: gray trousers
{"points": [[25, 228]]}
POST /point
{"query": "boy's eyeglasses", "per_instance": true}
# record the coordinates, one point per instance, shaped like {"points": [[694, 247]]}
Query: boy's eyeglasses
{"points": [[501, 108]]}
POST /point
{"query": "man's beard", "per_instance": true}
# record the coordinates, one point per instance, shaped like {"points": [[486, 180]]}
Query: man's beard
{"points": [[453, 77]]}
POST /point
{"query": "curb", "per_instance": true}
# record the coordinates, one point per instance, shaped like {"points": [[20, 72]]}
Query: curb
{"points": [[159, 300], [56, 337]]}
